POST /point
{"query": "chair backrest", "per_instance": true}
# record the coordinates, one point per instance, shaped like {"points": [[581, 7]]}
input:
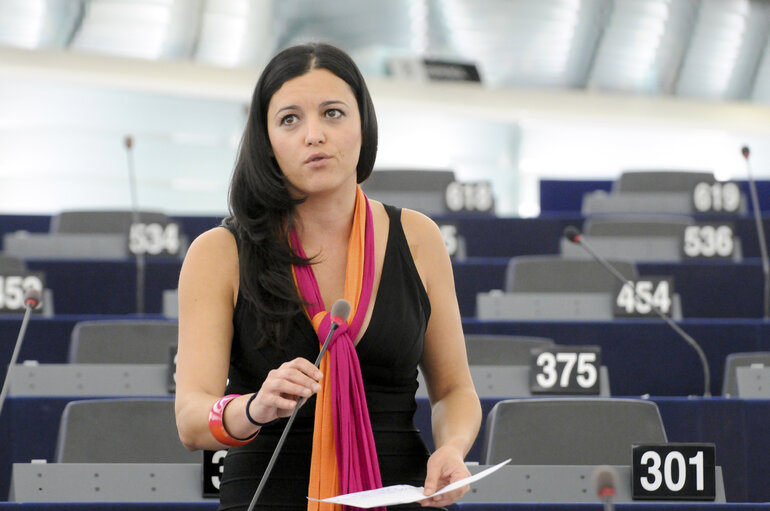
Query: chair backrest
{"points": [[668, 225], [736, 360], [122, 341], [101, 222], [555, 274], [11, 264], [502, 349], [121, 431], [569, 431], [667, 181], [422, 190]]}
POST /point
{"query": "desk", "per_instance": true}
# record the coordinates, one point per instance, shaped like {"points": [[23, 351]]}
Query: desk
{"points": [[707, 289], [736, 426]]}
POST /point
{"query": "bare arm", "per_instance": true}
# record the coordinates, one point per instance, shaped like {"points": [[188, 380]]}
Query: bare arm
{"points": [[455, 407], [208, 289]]}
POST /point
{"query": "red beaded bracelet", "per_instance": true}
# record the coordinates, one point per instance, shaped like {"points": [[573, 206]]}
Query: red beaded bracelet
{"points": [[217, 424]]}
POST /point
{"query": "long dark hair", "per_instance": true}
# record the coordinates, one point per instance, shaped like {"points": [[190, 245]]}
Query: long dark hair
{"points": [[260, 204]]}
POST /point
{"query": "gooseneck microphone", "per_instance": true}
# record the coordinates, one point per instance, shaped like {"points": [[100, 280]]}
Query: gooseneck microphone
{"points": [[604, 480], [31, 301], [339, 313], [760, 233], [135, 219], [573, 234]]}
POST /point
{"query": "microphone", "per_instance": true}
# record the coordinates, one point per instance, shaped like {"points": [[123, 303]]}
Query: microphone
{"points": [[573, 234], [339, 313], [139, 258], [604, 481], [760, 233], [31, 301]]}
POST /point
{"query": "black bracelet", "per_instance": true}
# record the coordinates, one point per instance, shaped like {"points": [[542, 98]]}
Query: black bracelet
{"points": [[251, 419]]}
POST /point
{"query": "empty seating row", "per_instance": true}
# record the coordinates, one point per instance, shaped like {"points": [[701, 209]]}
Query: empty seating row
{"points": [[735, 427], [644, 356], [706, 290], [144, 351]]}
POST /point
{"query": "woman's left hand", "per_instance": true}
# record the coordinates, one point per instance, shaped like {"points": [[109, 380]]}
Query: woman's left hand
{"points": [[445, 466]]}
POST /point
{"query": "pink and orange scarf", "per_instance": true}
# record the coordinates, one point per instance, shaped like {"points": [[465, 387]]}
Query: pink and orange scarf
{"points": [[344, 457]]}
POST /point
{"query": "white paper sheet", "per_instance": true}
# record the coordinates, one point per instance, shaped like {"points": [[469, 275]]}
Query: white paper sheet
{"points": [[402, 493]]}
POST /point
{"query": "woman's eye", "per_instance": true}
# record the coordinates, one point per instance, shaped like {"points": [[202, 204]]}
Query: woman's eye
{"points": [[288, 120], [334, 113]]}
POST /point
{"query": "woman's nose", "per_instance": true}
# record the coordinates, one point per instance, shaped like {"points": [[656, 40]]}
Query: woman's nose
{"points": [[315, 133]]}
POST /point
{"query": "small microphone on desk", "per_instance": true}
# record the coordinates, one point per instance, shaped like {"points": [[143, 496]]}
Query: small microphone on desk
{"points": [[31, 302], [760, 233], [573, 234], [605, 480], [338, 315]]}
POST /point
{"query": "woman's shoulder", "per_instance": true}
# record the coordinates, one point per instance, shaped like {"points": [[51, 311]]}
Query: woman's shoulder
{"points": [[217, 244], [420, 227], [217, 237]]}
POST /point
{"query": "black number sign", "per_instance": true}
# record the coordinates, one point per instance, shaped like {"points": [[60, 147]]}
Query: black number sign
{"points": [[674, 471], [565, 370]]}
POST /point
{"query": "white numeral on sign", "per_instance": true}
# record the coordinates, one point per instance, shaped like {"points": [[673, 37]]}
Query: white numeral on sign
{"points": [[13, 287], [586, 373], [674, 479], [449, 233], [645, 297], [718, 197], [708, 241], [154, 239], [218, 460], [469, 196]]}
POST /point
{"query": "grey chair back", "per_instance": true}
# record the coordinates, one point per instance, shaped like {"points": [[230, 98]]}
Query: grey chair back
{"points": [[569, 431], [505, 350], [637, 226], [101, 222], [636, 181], [122, 341], [121, 431], [11, 264], [555, 274], [743, 359], [422, 190]]}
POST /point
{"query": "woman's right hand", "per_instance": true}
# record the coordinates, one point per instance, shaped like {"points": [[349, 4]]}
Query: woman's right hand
{"points": [[283, 388]]}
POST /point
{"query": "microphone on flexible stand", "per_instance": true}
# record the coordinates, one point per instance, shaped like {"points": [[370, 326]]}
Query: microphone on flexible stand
{"points": [[339, 313], [31, 301], [604, 479], [573, 234], [760, 234], [139, 257]]}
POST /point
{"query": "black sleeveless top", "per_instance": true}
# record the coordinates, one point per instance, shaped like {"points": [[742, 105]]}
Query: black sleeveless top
{"points": [[389, 352]]}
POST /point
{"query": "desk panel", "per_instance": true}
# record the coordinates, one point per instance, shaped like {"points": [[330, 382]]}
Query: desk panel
{"points": [[107, 287], [212, 506]]}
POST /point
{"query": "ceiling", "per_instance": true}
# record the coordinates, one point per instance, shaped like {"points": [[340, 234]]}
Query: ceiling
{"points": [[707, 49]]}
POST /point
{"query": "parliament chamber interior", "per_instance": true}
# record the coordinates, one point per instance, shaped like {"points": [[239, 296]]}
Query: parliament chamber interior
{"points": [[616, 322]]}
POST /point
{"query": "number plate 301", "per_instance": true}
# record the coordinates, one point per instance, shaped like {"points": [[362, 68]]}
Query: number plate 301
{"points": [[674, 471]]}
